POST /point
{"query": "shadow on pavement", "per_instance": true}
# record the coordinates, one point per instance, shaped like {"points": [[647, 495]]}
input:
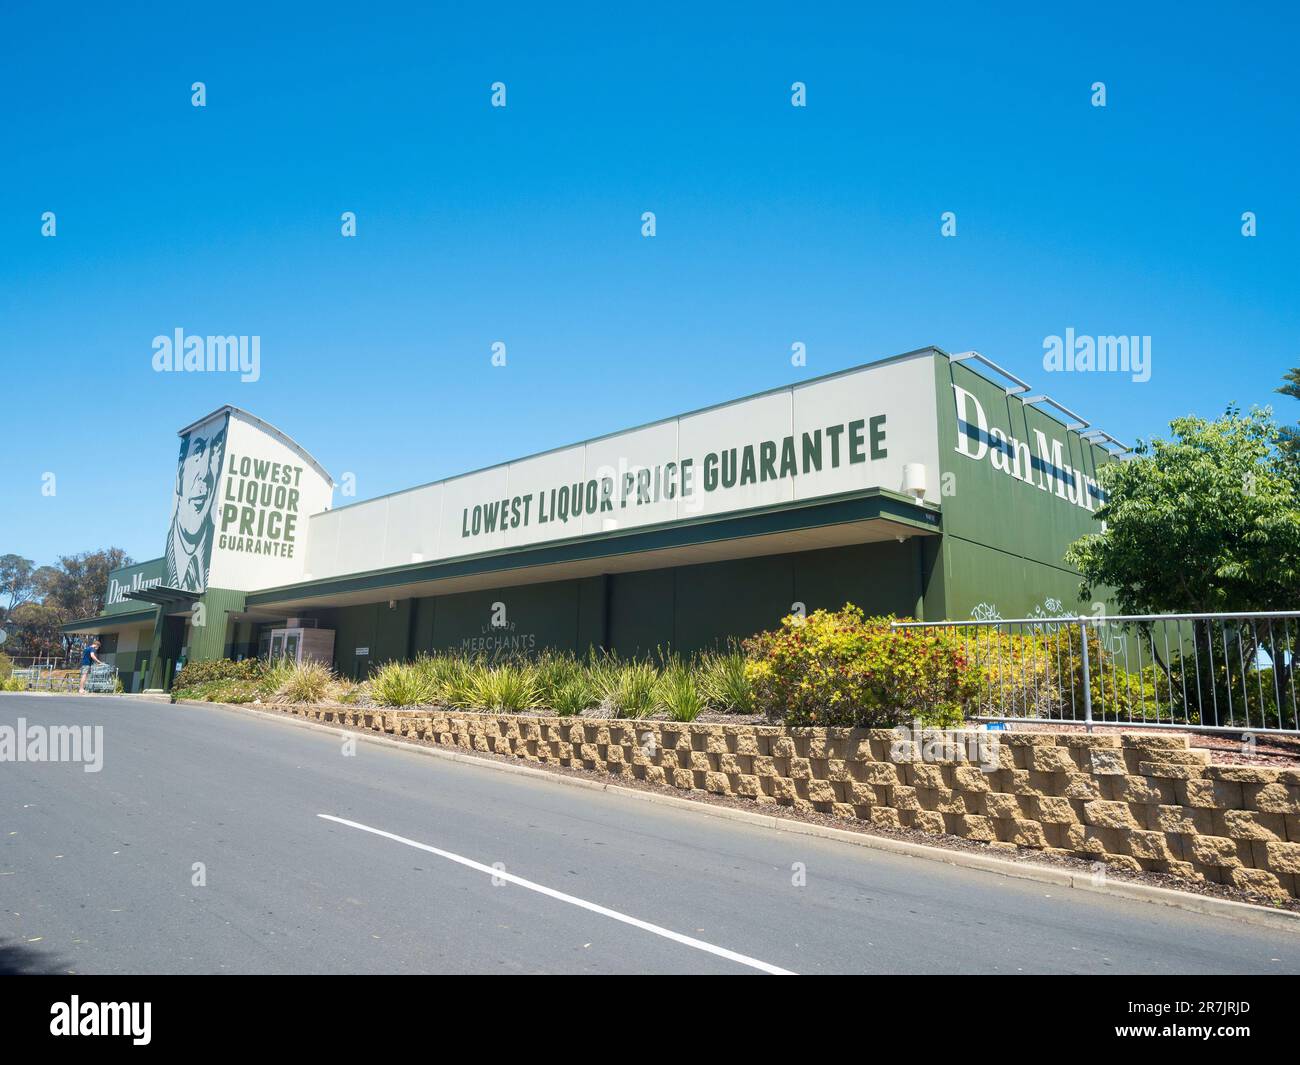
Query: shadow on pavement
{"points": [[19, 959]]}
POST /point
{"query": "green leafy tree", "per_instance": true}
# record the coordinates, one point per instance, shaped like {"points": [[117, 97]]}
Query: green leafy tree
{"points": [[1206, 521]]}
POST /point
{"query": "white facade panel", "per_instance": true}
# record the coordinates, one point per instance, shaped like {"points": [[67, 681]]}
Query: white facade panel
{"points": [[542, 493], [848, 433], [323, 544], [736, 447], [268, 488], [612, 460], [362, 536], [413, 526], [889, 419]]}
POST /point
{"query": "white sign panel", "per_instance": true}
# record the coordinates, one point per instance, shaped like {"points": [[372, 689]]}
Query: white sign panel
{"points": [[847, 433], [242, 496]]}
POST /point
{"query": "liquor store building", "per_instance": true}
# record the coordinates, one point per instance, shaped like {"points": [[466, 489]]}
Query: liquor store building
{"points": [[924, 485]]}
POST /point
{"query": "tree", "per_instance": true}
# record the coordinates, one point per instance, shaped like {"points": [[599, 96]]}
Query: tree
{"points": [[1290, 442], [35, 633], [1204, 522], [76, 587], [39, 600], [17, 582]]}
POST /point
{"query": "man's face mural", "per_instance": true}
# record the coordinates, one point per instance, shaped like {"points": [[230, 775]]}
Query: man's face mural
{"points": [[197, 475]]}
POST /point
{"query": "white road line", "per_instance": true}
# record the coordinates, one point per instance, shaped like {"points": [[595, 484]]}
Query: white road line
{"points": [[541, 889]]}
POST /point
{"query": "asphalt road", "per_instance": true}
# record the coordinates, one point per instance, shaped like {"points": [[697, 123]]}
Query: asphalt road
{"points": [[317, 861]]}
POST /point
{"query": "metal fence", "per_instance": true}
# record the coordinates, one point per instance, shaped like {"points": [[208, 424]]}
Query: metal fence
{"points": [[1210, 672], [47, 675], [40, 661]]}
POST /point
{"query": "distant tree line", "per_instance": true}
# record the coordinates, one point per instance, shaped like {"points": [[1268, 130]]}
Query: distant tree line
{"points": [[36, 601]]}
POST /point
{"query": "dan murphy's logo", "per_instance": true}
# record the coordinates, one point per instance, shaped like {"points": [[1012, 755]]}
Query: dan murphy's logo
{"points": [[1041, 463], [139, 582]]}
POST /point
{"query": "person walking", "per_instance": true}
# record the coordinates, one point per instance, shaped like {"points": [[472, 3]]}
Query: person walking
{"points": [[88, 658]]}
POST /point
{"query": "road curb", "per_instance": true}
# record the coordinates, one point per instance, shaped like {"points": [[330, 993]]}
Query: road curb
{"points": [[1208, 905]]}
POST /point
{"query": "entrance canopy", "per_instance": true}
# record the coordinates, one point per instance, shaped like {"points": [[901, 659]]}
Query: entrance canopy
{"points": [[172, 600]]}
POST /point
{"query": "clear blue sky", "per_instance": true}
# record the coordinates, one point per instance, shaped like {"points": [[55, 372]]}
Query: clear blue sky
{"points": [[522, 224]]}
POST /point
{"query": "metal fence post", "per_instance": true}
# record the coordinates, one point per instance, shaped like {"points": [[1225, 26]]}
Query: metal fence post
{"points": [[1087, 675]]}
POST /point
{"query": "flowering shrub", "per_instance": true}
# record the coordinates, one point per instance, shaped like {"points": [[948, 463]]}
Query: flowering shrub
{"points": [[841, 668]]}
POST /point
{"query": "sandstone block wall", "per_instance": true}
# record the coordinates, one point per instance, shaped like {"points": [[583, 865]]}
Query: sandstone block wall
{"points": [[1139, 801]]}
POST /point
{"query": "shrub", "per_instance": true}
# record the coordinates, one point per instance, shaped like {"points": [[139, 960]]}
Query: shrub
{"points": [[354, 694], [461, 682], [283, 682], [839, 668], [628, 688], [508, 687], [6, 666], [196, 673], [574, 697], [555, 671], [273, 677], [676, 692], [305, 682], [447, 676], [230, 691], [724, 683], [601, 672], [402, 684]]}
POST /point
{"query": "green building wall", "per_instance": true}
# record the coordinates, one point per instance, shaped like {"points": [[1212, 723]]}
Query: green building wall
{"points": [[1004, 539], [684, 608]]}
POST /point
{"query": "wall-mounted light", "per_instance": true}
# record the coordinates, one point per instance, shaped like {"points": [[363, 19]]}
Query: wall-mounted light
{"points": [[914, 479]]}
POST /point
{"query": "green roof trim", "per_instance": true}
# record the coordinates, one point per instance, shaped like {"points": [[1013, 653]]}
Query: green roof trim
{"points": [[761, 521], [110, 621]]}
